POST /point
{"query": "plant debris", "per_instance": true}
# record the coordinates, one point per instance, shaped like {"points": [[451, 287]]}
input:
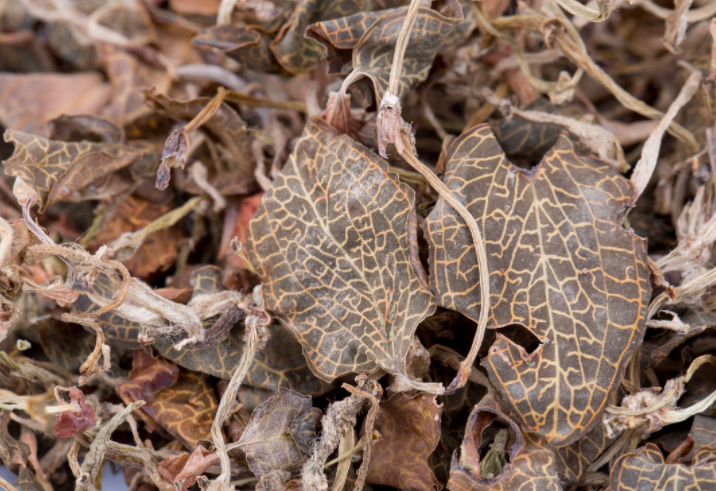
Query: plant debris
{"points": [[301, 245]]}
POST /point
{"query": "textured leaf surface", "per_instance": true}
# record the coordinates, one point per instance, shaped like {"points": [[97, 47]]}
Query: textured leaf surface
{"points": [[646, 470], [703, 431], [529, 467], [410, 428], [279, 433], [13, 453], [330, 242], [57, 169], [249, 45], [560, 265]]}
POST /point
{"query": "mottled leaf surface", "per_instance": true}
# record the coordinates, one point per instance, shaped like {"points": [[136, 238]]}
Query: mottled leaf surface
{"points": [[646, 470], [57, 169], [330, 242], [410, 427], [560, 265], [279, 433], [703, 431]]}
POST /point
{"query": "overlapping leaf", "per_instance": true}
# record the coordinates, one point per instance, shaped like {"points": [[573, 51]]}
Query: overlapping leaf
{"points": [[410, 427], [560, 265], [56, 169], [646, 470], [249, 45], [703, 431], [279, 433], [329, 240]]}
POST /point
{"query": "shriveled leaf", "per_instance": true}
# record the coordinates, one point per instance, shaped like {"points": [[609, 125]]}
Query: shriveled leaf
{"points": [[56, 169], [369, 38], [77, 128], [410, 428], [13, 453], [186, 409], [330, 242], [696, 321], [297, 53], [66, 345], [250, 46], [29, 101], [527, 466], [646, 470], [560, 265], [279, 433], [225, 124], [148, 377], [72, 422]]}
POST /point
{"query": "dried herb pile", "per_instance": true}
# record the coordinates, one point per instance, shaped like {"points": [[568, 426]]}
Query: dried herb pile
{"points": [[317, 245]]}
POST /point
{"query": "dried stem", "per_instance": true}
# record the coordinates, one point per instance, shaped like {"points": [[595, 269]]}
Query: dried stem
{"points": [[396, 69], [6, 485], [576, 8], [694, 15], [369, 424]]}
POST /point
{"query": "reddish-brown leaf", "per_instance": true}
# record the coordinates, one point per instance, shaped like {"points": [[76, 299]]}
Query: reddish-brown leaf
{"points": [[70, 423], [410, 427]]}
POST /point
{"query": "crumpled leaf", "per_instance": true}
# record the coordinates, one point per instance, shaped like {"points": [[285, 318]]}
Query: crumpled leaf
{"points": [[187, 408], [13, 453], [410, 427], [279, 434], [696, 321], [184, 468], [77, 128], [29, 101], [369, 38], [148, 377], [297, 53], [330, 242], [560, 265], [56, 169], [69, 423], [646, 470], [528, 466]]}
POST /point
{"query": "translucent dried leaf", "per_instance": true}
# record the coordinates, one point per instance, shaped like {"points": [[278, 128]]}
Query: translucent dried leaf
{"points": [[645, 469], [56, 169], [560, 264], [330, 242], [29, 101], [410, 427], [279, 433]]}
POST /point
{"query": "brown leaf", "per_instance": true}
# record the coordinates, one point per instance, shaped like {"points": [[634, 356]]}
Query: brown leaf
{"points": [[236, 225], [560, 265], [410, 428], [195, 7], [279, 434], [187, 408], [13, 453], [148, 377], [528, 467], [185, 468], [659, 347], [72, 422], [703, 431], [250, 46], [29, 101], [56, 169], [646, 470], [297, 53], [330, 242], [90, 128], [66, 345], [369, 38]]}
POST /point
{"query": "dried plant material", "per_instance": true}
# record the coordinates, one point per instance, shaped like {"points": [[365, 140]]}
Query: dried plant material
{"points": [[279, 434], [381, 310], [655, 409], [250, 46], [55, 170], [13, 453], [646, 469], [346, 444], [183, 469], [77, 128], [528, 466], [410, 430], [31, 101], [543, 275], [676, 24], [76, 416], [703, 431]]}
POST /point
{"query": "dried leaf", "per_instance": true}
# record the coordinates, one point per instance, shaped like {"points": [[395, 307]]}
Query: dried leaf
{"points": [[77, 128], [297, 53], [28, 102], [56, 169], [330, 241], [562, 267], [69, 422], [645, 469], [66, 345], [410, 427], [703, 431], [279, 433], [250, 46], [13, 453], [148, 377]]}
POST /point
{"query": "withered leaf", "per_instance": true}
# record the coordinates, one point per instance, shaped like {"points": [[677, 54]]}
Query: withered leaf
{"points": [[368, 39], [250, 46], [529, 467], [187, 408], [148, 377], [560, 265], [13, 453], [279, 433], [70, 423], [29, 101], [66, 345], [297, 53], [646, 470], [659, 347], [331, 244], [90, 128], [410, 427], [56, 169], [225, 124], [703, 431]]}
